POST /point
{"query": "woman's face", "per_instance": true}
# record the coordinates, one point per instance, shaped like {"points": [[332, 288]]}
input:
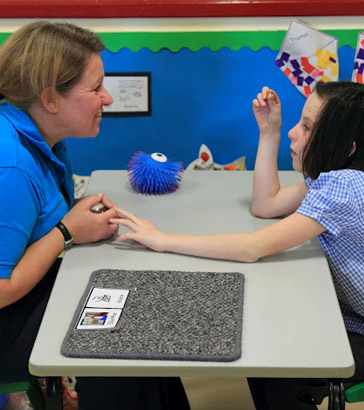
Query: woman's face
{"points": [[80, 110], [301, 132]]}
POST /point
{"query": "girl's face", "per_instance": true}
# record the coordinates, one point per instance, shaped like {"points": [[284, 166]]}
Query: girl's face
{"points": [[301, 132], [80, 110]]}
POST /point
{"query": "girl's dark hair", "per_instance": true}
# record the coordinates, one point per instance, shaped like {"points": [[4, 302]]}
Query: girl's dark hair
{"points": [[340, 124]]}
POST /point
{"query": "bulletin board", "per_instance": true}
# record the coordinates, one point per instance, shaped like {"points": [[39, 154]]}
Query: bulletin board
{"points": [[192, 103]]}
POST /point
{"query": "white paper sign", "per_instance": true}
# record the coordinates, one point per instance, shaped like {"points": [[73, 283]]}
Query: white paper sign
{"points": [[130, 94], [308, 56]]}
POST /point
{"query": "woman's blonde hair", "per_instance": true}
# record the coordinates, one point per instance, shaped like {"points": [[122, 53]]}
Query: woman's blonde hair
{"points": [[41, 55]]}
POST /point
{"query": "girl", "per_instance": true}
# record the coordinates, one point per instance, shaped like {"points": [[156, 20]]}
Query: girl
{"points": [[327, 147]]}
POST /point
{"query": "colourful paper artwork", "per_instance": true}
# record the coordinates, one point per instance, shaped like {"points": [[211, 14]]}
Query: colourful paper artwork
{"points": [[359, 60], [308, 56]]}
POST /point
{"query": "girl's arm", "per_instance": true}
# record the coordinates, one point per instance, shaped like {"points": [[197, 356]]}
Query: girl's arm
{"points": [[244, 247], [83, 225], [269, 199]]}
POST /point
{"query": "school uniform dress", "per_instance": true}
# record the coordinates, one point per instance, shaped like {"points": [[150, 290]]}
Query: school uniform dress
{"points": [[336, 201], [36, 191]]}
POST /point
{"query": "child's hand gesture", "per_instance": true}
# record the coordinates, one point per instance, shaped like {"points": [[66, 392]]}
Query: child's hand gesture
{"points": [[142, 230], [267, 111]]}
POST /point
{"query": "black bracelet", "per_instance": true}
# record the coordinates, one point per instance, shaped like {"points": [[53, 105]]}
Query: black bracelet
{"points": [[68, 240]]}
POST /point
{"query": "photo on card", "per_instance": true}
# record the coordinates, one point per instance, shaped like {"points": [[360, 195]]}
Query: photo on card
{"points": [[98, 319]]}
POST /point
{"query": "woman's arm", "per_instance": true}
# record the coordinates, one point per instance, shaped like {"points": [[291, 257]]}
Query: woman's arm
{"points": [[83, 225], [31, 267], [244, 247], [269, 200]]}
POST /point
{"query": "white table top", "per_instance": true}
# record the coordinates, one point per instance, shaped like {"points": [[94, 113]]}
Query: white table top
{"points": [[292, 326]]}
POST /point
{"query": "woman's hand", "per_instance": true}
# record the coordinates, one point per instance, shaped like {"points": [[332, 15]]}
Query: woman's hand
{"points": [[86, 226], [267, 111], [143, 231]]}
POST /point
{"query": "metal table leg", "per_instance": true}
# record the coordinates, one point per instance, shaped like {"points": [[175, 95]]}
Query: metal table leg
{"points": [[54, 393], [336, 395]]}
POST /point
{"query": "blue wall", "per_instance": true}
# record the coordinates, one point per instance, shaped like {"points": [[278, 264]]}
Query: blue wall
{"points": [[197, 97]]}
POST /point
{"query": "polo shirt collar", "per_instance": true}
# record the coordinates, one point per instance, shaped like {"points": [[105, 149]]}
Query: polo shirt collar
{"points": [[26, 126]]}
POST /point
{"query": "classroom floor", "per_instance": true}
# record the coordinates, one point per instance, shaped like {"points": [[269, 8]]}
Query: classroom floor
{"points": [[214, 393], [204, 393]]}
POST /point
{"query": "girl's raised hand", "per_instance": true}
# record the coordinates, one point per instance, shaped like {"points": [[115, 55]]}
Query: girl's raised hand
{"points": [[143, 231], [267, 110]]}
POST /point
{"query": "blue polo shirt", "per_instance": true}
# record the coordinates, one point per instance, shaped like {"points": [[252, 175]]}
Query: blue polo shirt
{"points": [[31, 178]]}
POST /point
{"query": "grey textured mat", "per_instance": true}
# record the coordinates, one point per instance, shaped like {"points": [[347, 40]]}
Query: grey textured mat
{"points": [[169, 315]]}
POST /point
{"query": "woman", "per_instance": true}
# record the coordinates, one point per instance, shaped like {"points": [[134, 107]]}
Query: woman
{"points": [[51, 80], [328, 147]]}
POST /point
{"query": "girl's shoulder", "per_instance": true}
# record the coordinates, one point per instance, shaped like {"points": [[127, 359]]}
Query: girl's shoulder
{"points": [[338, 180]]}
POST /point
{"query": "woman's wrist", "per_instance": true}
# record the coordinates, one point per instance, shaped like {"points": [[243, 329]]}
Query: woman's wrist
{"points": [[68, 238]]}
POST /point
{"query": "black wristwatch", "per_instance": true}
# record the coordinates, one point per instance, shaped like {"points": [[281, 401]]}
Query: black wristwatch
{"points": [[68, 240]]}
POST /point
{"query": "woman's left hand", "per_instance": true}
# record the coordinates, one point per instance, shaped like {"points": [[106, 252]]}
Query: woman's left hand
{"points": [[86, 226], [143, 231]]}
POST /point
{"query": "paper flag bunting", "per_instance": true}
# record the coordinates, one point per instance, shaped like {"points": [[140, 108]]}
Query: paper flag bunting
{"points": [[359, 60], [308, 56]]}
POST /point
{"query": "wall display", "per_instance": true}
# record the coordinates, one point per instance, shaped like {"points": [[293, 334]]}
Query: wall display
{"points": [[198, 97], [203, 87], [359, 60], [131, 93], [308, 56]]}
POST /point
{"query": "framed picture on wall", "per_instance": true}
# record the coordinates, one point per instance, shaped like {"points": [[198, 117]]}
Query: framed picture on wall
{"points": [[131, 93]]}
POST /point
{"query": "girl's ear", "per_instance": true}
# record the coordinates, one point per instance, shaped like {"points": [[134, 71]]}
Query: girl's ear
{"points": [[353, 149], [49, 100]]}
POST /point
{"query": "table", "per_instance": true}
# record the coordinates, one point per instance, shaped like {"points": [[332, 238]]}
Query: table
{"points": [[292, 325]]}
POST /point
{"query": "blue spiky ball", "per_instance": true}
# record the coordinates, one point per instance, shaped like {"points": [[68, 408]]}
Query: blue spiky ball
{"points": [[154, 174]]}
